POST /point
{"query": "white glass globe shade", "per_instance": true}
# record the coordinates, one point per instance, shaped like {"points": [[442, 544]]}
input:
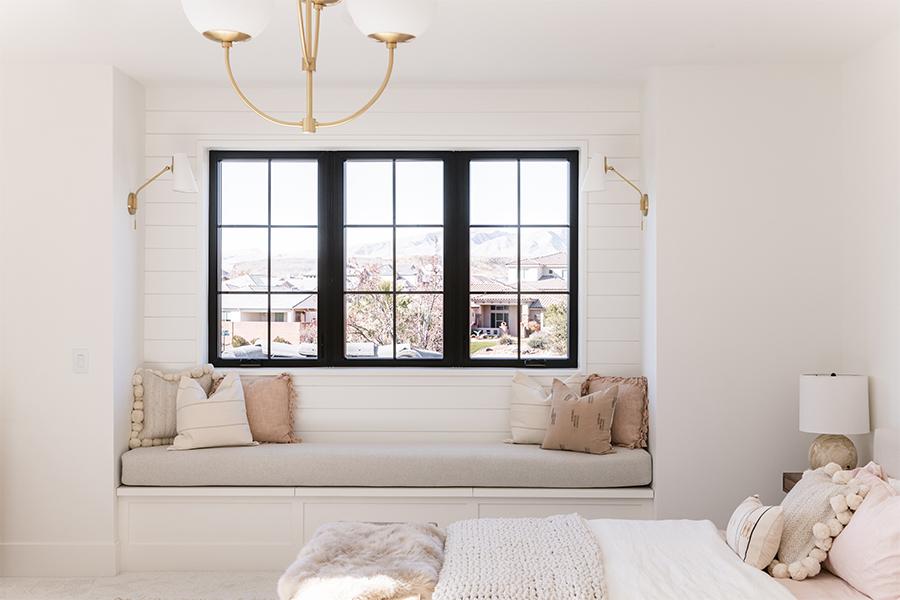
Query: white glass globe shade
{"points": [[408, 17], [249, 17]]}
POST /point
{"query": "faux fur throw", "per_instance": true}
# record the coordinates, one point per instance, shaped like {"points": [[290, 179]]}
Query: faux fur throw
{"points": [[557, 558], [366, 561]]}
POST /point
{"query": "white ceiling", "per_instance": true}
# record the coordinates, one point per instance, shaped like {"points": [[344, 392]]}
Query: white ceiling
{"points": [[504, 42]]}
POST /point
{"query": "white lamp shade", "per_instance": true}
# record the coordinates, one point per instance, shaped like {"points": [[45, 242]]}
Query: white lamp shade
{"points": [[245, 16], [835, 404], [411, 17], [595, 177], [183, 175]]}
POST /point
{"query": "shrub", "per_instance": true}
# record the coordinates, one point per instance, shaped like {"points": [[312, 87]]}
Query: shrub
{"points": [[538, 340], [507, 340], [238, 341], [281, 340]]}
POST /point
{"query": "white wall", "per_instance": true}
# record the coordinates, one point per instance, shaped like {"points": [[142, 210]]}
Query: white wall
{"points": [[746, 255], [602, 120], [59, 274], [870, 217]]}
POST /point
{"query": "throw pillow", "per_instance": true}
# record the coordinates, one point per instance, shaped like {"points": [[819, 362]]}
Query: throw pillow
{"points": [[529, 408], [270, 400], [631, 423], [209, 422], [867, 553], [153, 404], [815, 512], [754, 532], [580, 423]]}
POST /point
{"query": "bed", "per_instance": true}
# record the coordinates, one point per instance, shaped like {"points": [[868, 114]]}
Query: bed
{"points": [[608, 559]]}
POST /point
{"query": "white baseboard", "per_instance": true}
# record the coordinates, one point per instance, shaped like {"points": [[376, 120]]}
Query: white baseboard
{"points": [[58, 560]]}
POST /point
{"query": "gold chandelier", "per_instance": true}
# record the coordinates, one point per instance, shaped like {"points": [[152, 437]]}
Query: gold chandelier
{"points": [[390, 22]]}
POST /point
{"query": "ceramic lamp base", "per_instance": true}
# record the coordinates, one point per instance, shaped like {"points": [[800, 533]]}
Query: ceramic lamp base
{"points": [[829, 448]]}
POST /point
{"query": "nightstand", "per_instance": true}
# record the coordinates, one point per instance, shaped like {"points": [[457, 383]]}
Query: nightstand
{"points": [[789, 480]]}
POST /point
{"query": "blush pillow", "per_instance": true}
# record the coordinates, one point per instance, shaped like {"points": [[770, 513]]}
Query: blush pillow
{"points": [[867, 553], [630, 425], [270, 404]]}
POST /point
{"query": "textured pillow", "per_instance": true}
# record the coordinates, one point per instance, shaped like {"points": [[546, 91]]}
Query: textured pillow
{"points": [[580, 423], [631, 423], [867, 553], [153, 404], [209, 422], [815, 512], [754, 532], [894, 483], [270, 401], [529, 408]]}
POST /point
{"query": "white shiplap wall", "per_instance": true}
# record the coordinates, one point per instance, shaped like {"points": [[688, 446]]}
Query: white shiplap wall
{"points": [[412, 404]]}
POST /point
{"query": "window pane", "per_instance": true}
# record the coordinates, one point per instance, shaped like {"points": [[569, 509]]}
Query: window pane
{"points": [[295, 190], [294, 326], [493, 323], [420, 258], [244, 255], [545, 332], [493, 193], [545, 259], [369, 326], [492, 257], [370, 259], [243, 325], [294, 259], [369, 192], [420, 192], [245, 193], [420, 325], [545, 192]]}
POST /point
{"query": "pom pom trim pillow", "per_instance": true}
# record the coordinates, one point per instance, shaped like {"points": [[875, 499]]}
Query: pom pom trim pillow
{"points": [[214, 421], [754, 532], [815, 512], [153, 404]]}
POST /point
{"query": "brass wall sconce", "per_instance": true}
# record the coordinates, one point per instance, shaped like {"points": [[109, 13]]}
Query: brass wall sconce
{"points": [[183, 181], [595, 181]]}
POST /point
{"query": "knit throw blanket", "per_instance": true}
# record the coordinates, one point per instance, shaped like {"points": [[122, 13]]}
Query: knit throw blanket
{"points": [[556, 558]]}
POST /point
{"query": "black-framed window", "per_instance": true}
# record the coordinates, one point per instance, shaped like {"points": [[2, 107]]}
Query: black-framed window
{"points": [[393, 258]]}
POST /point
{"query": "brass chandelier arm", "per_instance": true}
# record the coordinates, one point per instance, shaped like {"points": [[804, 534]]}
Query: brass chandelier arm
{"points": [[391, 46], [246, 100], [625, 179]]}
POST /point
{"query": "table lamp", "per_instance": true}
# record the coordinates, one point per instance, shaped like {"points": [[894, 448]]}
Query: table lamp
{"points": [[833, 406]]}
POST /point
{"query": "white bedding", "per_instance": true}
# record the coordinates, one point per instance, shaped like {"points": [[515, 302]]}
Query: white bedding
{"points": [[677, 559]]}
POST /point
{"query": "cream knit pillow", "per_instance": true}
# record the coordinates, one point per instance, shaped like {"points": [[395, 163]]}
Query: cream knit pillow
{"points": [[815, 512], [153, 404], [529, 408], [754, 532], [209, 422]]}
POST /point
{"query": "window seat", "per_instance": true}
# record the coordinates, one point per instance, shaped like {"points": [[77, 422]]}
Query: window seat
{"points": [[422, 465]]}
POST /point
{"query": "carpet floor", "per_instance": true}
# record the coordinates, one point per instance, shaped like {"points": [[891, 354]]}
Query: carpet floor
{"points": [[144, 586]]}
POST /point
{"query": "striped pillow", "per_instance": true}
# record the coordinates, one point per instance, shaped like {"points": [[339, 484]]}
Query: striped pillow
{"points": [[754, 532], [219, 420]]}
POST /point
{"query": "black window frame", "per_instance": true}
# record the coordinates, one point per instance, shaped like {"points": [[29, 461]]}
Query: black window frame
{"points": [[330, 312]]}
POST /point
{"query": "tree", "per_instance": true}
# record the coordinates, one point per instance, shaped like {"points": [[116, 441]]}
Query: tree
{"points": [[556, 325]]}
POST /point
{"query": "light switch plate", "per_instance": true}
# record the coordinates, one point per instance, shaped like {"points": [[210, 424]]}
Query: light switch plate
{"points": [[80, 361]]}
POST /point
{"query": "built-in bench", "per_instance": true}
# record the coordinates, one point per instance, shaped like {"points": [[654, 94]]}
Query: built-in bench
{"points": [[252, 508]]}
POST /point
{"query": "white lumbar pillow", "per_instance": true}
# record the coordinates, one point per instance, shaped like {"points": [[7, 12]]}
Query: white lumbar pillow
{"points": [[529, 408], [754, 532], [219, 420]]}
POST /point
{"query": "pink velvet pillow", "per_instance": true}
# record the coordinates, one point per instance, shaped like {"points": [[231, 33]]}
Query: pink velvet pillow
{"points": [[867, 552]]}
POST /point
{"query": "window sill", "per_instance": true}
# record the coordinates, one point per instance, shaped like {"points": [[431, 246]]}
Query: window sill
{"points": [[404, 372]]}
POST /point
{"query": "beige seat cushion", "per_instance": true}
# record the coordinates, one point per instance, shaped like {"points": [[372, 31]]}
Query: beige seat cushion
{"points": [[580, 423], [444, 464], [631, 422]]}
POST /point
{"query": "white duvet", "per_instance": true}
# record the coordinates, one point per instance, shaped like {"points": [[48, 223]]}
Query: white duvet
{"points": [[687, 560]]}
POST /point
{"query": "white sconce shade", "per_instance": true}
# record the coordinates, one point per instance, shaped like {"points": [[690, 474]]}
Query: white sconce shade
{"points": [[249, 17], [408, 17], [834, 404], [595, 177], [183, 175]]}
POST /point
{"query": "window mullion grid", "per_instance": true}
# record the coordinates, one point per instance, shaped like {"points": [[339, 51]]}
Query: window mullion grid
{"points": [[518, 260], [394, 251], [269, 261]]}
